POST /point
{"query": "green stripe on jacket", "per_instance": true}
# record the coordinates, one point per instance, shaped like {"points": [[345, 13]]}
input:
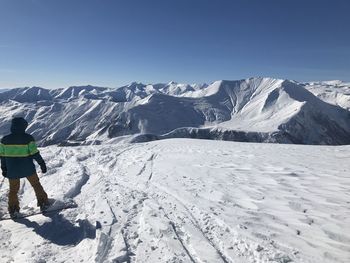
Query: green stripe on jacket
{"points": [[32, 148], [18, 150]]}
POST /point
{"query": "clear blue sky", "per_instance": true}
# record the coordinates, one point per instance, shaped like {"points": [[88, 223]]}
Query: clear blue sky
{"points": [[53, 43]]}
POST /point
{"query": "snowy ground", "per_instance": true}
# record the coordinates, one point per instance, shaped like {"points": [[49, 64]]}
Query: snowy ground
{"points": [[188, 201]]}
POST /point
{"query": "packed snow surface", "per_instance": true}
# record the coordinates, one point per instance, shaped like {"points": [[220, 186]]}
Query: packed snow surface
{"points": [[183, 200]]}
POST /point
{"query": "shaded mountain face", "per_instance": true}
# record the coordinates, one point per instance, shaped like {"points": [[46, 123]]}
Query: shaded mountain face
{"points": [[255, 110]]}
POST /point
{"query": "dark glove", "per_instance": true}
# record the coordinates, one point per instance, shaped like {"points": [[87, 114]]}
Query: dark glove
{"points": [[4, 173], [43, 168]]}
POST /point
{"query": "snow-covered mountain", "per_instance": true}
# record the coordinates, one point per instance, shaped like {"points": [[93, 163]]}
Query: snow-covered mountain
{"points": [[3, 90], [254, 109], [335, 92]]}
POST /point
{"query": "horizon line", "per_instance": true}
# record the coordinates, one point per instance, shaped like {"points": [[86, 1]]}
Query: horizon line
{"points": [[169, 82]]}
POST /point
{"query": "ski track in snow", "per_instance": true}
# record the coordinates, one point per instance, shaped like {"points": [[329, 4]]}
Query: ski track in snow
{"points": [[187, 201]]}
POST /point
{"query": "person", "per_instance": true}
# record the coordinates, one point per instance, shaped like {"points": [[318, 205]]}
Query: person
{"points": [[17, 152]]}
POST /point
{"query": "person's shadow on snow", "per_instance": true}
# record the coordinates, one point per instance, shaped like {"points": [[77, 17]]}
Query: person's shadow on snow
{"points": [[60, 231]]}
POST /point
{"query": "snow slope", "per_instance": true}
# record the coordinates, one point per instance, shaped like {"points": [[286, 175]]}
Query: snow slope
{"points": [[335, 92], [257, 109], [254, 109], [184, 200]]}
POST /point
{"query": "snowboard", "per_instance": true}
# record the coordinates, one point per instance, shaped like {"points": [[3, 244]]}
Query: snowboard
{"points": [[56, 205]]}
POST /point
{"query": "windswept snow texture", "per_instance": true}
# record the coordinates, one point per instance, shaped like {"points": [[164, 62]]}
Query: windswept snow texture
{"points": [[183, 200], [253, 110]]}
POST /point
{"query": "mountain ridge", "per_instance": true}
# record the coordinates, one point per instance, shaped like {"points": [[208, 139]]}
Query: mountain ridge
{"points": [[254, 109]]}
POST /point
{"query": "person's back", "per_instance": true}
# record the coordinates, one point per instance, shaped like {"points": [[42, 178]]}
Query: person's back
{"points": [[17, 151]]}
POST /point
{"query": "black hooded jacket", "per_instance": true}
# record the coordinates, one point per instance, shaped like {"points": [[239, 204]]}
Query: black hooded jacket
{"points": [[17, 151]]}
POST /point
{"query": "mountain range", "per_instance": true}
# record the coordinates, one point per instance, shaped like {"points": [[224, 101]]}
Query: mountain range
{"points": [[249, 110]]}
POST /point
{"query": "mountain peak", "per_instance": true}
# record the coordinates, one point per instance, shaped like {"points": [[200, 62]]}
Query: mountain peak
{"points": [[256, 109]]}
